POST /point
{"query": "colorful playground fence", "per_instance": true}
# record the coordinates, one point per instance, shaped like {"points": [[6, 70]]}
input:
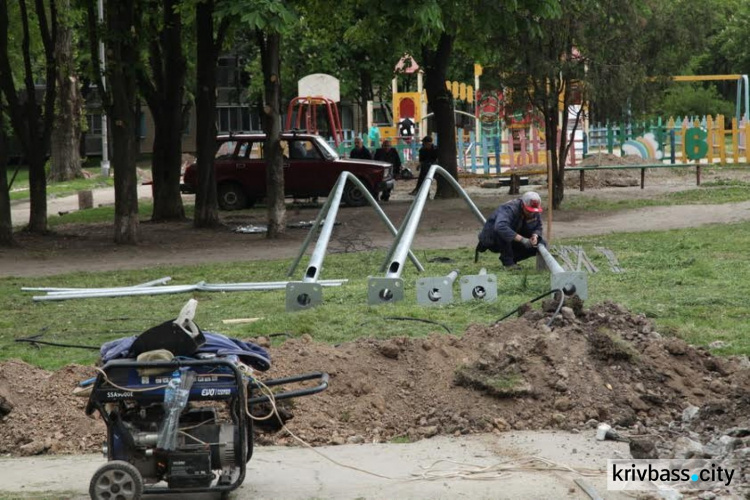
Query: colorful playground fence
{"points": [[683, 139]]}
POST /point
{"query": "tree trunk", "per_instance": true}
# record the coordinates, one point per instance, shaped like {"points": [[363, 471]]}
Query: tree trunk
{"points": [[441, 101], [206, 208], [365, 94], [6, 224], [168, 70], [270, 54], [66, 135], [31, 123], [123, 48], [551, 125]]}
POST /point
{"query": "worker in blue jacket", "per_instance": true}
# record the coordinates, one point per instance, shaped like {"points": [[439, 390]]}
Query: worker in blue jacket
{"points": [[514, 230]]}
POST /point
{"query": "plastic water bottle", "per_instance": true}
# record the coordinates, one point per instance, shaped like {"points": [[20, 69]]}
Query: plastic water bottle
{"points": [[171, 390]]}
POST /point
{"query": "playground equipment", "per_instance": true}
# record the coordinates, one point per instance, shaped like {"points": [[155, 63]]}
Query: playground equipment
{"points": [[742, 87], [315, 91], [410, 106], [306, 108], [308, 293], [683, 139]]}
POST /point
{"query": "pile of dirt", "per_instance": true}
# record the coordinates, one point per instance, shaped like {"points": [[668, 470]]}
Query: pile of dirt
{"points": [[607, 159], [607, 178], [44, 416], [603, 364]]}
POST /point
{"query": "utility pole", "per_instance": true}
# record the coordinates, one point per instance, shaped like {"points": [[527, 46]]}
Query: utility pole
{"points": [[103, 66]]}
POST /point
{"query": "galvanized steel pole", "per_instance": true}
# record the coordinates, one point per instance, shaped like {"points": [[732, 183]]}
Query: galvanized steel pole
{"points": [[570, 282], [390, 288]]}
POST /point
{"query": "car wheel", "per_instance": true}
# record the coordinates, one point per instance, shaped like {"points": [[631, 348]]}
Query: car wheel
{"points": [[231, 197], [353, 195]]}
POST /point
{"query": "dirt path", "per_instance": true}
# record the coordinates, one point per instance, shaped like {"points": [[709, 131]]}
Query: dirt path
{"points": [[444, 224]]}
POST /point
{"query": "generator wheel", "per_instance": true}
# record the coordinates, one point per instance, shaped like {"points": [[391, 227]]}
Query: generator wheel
{"points": [[116, 480]]}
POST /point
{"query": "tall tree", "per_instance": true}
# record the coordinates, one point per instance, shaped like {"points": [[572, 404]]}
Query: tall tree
{"points": [[434, 27], [270, 47], [120, 99], [269, 19], [31, 122], [66, 135], [163, 87], [209, 42], [354, 46], [6, 223], [589, 54]]}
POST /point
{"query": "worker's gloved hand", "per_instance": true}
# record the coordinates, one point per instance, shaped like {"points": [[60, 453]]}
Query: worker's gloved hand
{"points": [[527, 243], [534, 239]]}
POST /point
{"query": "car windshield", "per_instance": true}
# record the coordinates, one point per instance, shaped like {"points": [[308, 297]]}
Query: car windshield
{"points": [[328, 151]]}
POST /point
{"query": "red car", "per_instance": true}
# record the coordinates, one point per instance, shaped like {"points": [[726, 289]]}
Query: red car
{"points": [[311, 168]]}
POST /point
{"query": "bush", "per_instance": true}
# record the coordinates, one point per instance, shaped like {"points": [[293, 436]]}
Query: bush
{"points": [[694, 100]]}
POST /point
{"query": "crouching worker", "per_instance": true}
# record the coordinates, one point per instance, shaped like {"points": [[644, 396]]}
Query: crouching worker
{"points": [[514, 230]]}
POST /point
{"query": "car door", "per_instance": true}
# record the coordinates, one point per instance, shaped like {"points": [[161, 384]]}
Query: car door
{"points": [[225, 160], [307, 174]]}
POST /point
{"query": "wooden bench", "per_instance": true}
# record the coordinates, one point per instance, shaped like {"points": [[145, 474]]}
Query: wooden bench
{"points": [[643, 168]]}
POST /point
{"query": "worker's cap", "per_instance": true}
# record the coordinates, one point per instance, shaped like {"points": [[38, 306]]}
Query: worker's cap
{"points": [[532, 202]]}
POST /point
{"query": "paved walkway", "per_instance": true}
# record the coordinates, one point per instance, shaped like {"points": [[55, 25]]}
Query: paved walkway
{"points": [[276, 473]]}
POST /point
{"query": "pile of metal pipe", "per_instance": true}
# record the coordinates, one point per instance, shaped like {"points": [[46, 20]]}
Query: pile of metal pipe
{"points": [[129, 291]]}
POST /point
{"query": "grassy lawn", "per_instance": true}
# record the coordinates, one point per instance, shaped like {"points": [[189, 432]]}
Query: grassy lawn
{"points": [[20, 188], [694, 283], [708, 193], [106, 214]]}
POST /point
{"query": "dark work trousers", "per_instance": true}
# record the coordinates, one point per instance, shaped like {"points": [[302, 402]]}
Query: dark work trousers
{"points": [[423, 169], [512, 252]]}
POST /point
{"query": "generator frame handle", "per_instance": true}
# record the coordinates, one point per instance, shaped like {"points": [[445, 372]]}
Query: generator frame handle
{"points": [[308, 391]]}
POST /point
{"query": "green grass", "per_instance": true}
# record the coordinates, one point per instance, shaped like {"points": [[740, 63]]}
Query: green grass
{"points": [[20, 188], [693, 282], [400, 440], [708, 194], [100, 215]]}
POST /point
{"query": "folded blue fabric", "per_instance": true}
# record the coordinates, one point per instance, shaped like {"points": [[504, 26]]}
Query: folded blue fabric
{"points": [[251, 354]]}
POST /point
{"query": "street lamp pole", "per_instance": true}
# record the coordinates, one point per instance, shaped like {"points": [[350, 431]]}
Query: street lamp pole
{"points": [[103, 66]]}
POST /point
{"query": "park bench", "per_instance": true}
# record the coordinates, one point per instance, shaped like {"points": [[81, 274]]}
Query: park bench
{"points": [[642, 168]]}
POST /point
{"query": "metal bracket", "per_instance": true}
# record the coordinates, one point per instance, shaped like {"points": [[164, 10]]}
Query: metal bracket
{"points": [[578, 279], [480, 286], [384, 290], [301, 295], [436, 291]]}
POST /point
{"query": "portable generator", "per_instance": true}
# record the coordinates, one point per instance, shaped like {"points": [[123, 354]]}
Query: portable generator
{"points": [[180, 425]]}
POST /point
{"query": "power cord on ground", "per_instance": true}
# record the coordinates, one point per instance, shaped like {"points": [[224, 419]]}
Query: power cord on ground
{"points": [[535, 299]]}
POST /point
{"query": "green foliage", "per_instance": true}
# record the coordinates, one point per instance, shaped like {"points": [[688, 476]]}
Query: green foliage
{"points": [[262, 15], [694, 100]]}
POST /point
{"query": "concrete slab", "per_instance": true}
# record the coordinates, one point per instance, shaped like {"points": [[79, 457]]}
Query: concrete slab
{"points": [[301, 474]]}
